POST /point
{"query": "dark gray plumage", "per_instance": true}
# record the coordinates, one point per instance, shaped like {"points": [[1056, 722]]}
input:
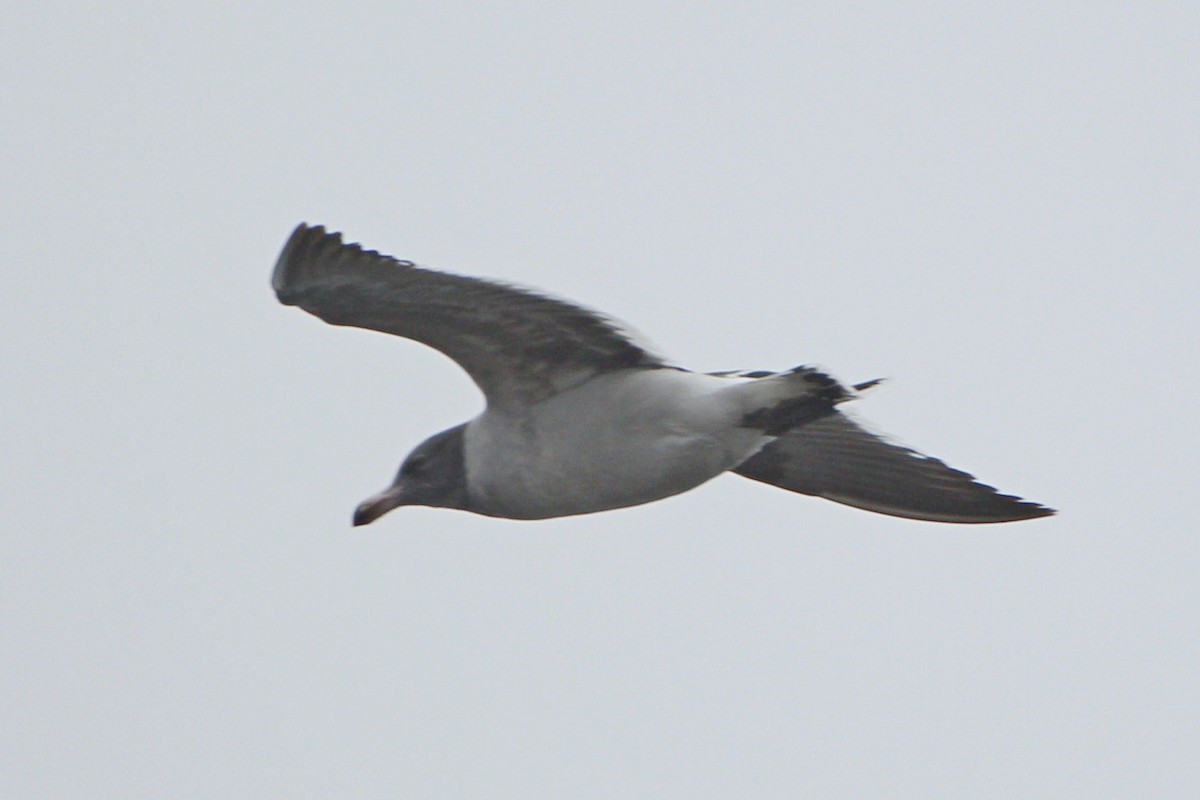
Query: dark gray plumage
{"points": [[579, 418], [834, 458]]}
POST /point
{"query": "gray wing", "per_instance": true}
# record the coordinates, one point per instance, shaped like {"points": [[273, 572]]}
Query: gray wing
{"points": [[519, 347], [834, 458]]}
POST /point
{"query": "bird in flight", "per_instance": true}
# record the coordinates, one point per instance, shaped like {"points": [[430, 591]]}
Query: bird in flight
{"points": [[580, 418]]}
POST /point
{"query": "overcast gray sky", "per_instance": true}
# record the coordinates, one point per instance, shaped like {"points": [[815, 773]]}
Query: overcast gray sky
{"points": [[995, 205]]}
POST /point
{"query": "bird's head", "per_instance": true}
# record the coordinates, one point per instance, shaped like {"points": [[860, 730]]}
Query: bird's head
{"points": [[434, 474]]}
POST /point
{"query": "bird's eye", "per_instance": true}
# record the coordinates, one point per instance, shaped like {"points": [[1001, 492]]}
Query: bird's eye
{"points": [[414, 464]]}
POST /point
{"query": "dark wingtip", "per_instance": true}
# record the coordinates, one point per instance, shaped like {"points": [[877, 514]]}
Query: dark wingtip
{"points": [[1032, 510], [1003, 508], [1009, 507], [284, 277], [312, 254]]}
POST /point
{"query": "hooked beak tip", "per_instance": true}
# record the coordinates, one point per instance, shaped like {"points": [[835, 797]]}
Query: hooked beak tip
{"points": [[375, 507]]}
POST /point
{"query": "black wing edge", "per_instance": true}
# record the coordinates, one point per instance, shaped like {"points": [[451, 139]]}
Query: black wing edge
{"points": [[311, 246]]}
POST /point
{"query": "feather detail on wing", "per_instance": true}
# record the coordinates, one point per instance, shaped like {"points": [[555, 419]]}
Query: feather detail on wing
{"points": [[518, 346], [834, 458]]}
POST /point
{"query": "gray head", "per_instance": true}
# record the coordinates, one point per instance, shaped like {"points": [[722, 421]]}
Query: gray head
{"points": [[433, 475]]}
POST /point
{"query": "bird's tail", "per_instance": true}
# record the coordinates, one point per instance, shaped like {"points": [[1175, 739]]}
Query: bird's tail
{"points": [[775, 403]]}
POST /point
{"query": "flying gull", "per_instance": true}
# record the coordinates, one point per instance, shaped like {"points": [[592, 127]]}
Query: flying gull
{"points": [[580, 418]]}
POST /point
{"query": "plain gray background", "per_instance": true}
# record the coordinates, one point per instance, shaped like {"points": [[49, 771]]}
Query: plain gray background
{"points": [[995, 205]]}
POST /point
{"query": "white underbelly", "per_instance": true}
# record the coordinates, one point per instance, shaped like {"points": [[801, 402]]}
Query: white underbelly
{"points": [[618, 440]]}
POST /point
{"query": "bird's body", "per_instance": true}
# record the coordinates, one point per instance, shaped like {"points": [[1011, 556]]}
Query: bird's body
{"points": [[581, 419], [620, 439]]}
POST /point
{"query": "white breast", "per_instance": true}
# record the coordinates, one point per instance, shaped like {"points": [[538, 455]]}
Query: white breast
{"points": [[621, 439]]}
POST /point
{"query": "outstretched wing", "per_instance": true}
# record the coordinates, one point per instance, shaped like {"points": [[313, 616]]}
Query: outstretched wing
{"points": [[834, 458], [518, 347]]}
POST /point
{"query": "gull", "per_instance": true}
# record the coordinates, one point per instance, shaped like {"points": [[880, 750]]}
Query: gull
{"points": [[581, 418]]}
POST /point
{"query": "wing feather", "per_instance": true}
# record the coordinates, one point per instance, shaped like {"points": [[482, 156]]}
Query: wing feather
{"points": [[518, 346], [834, 458]]}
